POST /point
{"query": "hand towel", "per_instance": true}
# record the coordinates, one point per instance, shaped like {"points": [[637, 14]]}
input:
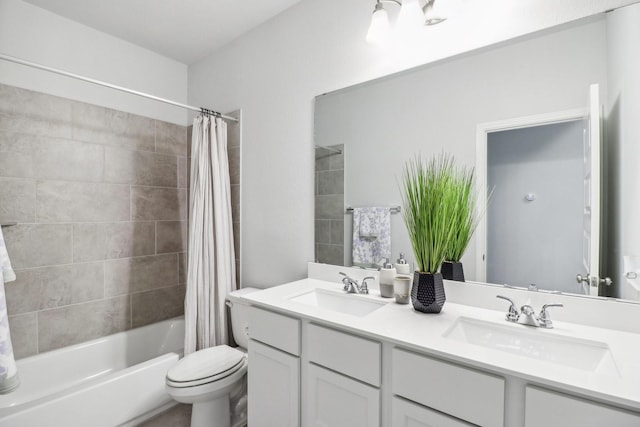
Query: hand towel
{"points": [[371, 236], [8, 370]]}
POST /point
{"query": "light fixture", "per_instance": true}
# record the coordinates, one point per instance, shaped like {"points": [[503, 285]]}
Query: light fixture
{"points": [[411, 18]]}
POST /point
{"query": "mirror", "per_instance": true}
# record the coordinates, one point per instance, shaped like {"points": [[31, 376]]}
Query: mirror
{"points": [[370, 130]]}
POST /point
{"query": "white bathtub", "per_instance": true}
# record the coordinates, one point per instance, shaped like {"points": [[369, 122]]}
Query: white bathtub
{"points": [[111, 381]]}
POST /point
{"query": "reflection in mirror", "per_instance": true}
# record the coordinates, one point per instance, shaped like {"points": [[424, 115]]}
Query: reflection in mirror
{"points": [[439, 107]]}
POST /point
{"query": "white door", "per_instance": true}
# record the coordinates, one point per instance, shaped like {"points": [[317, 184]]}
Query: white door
{"points": [[274, 390], [335, 400], [590, 277]]}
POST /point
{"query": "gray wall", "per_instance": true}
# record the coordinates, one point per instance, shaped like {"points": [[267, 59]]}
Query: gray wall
{"points": [[437, 107], [623, 144], [537, 241]]}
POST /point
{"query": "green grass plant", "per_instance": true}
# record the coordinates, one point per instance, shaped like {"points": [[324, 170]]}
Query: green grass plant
{"points": [[430, 200], [464, 220]]}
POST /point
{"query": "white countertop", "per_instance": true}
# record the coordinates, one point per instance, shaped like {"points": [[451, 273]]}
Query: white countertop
{"points": [[616, 379]]}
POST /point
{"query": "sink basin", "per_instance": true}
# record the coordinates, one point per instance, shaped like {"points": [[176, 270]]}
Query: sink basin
{"points": [[355, 305], [539, 344]]}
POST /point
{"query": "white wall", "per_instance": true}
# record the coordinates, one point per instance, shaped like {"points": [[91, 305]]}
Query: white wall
{"points": [[273, 74], [538, 241], [623, 138], [438, 107], [37, 35]]}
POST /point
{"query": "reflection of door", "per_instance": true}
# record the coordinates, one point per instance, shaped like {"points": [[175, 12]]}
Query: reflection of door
{"points": [[483, 132], [590, 276]]}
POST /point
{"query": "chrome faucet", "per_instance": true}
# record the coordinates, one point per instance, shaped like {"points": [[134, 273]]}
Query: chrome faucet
{"points": [[527, 315], [351, 286]]}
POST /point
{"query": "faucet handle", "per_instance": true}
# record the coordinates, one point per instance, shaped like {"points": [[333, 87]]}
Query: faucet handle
{"points": [[545, 320], [364, 288], [512, 315]]}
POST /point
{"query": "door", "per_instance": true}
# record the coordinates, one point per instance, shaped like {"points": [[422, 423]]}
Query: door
{"points": [[274, 390], [335, 400], [590, 276]]}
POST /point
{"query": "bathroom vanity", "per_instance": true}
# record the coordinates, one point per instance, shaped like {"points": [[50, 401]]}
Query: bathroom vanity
{"points": [[320, 357]]}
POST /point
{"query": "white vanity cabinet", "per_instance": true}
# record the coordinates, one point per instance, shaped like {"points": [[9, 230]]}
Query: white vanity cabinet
{"points": [[408, 414], [551, 409], [343, 375], [274, 370]]}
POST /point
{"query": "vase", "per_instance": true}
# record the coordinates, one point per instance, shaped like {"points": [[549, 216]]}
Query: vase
{"points": [[427, 292], [452, 271]]}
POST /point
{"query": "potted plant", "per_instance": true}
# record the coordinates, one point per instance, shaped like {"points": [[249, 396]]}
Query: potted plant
{"points": [[429, 207], [464, 222]]}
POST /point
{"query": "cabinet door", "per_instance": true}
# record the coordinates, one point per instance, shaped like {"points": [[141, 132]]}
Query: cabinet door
{"points": [[409, 414], [550, 409], [274, 387], [338, 401]]}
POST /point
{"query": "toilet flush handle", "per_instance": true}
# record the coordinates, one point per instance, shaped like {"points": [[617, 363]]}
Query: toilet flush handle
{"points": [[229, 304]]}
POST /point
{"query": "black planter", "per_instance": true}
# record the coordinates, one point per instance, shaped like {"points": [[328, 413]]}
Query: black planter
{"points": [[452, 271], [427, 292]]}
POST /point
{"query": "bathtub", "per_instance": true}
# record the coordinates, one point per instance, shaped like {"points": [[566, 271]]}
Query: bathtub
{"points": [[111, 381]]}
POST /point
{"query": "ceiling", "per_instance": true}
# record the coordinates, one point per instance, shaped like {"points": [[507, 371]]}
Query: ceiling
{"points": [[185, 30]]}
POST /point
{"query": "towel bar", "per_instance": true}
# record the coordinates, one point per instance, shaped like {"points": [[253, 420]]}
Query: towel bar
{"points": [[393, 209]]}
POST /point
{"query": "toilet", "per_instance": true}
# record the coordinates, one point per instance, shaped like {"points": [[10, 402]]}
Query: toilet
{"points": [[213, 380]]}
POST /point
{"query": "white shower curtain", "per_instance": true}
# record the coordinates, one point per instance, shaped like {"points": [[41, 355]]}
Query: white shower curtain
{"points": [[211, 268]]}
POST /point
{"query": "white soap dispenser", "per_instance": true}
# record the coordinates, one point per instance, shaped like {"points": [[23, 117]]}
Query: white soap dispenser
{"points": [[387, 273], [401, 265]]}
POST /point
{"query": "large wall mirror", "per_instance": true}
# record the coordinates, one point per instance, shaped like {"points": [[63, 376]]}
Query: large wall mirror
{"points": [[365, 134]]}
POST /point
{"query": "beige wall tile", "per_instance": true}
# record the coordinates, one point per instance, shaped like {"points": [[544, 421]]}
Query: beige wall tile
{"points": [[101, 125], [158, 304], [17, 199], [171, 138], [24, 334], [16, 158], [233, 133], [37, 245], [98, 241], [182, 172], [235, 203], [73, 324], [171, 236], [151, 203], [50, 287], [140, 167], [234, 165], [59, 201], [183, 260], [128, 275]]}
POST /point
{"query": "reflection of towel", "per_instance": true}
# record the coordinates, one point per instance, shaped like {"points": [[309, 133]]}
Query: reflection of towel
{"points": [[371, 236], [8, 370]]}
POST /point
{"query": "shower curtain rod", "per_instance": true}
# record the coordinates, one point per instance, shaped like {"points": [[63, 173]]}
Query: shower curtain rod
{"points": [[109, 85]]}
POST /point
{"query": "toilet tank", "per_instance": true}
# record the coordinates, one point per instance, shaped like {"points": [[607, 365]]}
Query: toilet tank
{"points": [[239, 311]]}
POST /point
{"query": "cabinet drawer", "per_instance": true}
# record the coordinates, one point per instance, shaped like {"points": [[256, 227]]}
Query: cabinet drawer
{"points": [[405, 413], [551, 409], [356, 357], [275, 329], [461, 392]]}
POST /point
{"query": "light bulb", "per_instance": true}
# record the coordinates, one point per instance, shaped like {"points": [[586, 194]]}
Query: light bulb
{"points": [[379, 30]]}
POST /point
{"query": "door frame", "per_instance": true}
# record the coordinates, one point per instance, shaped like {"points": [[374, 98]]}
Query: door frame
{"points": [[482, 135]]}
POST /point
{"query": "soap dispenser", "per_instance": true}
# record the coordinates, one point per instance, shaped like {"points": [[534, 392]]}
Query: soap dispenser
{"points": [[387, 273], [402, 267]]}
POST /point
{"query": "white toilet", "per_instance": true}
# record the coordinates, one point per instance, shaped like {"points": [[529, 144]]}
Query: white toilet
{"points": [[214, 379]]}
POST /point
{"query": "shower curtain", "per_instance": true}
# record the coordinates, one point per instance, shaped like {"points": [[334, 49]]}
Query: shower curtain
{"points": [[211, 271]]}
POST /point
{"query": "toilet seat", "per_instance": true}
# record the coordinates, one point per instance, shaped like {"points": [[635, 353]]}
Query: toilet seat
{"points": [[206, 366]]}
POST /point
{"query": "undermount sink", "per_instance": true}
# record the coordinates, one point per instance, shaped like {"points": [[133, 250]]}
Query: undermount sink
{"points": [[355, 305], [534, 343]]}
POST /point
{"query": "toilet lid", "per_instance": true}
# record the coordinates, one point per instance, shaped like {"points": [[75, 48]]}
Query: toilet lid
{"points": [[206, 363]]}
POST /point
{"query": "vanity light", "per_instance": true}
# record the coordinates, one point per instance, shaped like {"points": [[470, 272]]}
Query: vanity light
{"points": [[411, 18]]}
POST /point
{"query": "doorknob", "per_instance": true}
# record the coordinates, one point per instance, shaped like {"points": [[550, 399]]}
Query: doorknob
{"points": [[593, 281]]}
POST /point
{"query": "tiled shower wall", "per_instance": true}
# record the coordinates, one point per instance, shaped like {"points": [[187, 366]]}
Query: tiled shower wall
{"points": [[100, 197], [329, 205]]}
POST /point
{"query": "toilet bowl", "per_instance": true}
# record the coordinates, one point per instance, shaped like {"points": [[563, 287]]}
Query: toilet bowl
{"points": [[211, 378]]}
